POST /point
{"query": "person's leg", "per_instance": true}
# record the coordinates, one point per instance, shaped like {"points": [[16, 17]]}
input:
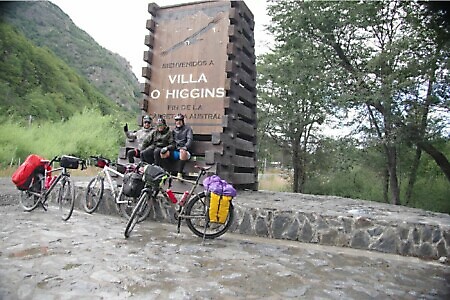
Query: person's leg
{"points": [[147, 155], [137, 153], [175, 161], [165, 163], [181, 164], [130, 156], [184, 157], [157, 156]]}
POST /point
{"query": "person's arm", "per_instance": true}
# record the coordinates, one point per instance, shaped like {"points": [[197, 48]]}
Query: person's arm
{"points": [[148, 141], [189, 138], [170, 141], [129, 134]]}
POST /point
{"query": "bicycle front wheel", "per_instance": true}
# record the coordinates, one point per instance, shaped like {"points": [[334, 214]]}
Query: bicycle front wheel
{"points": [[126, 206], [138, 210], [29, 199], [66, 198], [94, 194], [197, 218]]}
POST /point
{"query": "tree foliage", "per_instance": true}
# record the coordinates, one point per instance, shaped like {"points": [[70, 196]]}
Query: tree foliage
{"points": [[385, 60], [293, 101]]}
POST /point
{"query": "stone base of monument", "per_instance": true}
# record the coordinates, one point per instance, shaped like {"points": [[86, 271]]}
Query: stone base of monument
{"points": [[327, 220]]}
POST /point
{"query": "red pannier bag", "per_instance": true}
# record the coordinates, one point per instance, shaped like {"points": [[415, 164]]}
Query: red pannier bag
{"points": [[24, 174]]}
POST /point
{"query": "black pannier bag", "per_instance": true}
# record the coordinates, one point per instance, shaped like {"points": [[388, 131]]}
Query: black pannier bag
{"points": [[153, 174], [132, 184], [69, 162]]}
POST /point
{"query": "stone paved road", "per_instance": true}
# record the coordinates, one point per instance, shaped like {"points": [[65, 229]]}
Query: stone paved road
{"points": [[42, 257]]}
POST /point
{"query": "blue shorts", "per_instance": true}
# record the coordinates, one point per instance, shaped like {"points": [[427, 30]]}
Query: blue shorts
{"points": [[176, 155]]}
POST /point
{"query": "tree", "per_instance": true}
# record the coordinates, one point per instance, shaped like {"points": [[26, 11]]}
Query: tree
{"points": [[381, 60], [432, 19], [292, 103]]}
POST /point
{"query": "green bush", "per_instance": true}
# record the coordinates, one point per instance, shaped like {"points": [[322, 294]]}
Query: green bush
{"points": [[84, 134], [432, 193], [354, 183]]}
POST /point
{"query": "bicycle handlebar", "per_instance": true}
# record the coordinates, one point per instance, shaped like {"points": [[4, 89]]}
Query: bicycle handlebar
{"points": [[57, 158], [53, 160]]}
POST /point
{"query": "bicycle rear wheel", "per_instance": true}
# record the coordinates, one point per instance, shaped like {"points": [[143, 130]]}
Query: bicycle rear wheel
{"points": [[197, 218], [28, 199], [66, 198], [138, 210], [94, 194], [126, 206]]}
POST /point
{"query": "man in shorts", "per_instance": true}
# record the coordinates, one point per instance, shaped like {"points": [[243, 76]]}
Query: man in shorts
{"points": [[183, 137]]}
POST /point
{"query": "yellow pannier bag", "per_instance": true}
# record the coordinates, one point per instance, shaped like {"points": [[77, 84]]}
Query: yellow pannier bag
{"points": [[219, 206]]}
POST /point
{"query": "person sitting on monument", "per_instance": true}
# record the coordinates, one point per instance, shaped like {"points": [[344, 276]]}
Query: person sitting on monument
{"points": [[158, 145], [183, 137], [138, 135]]}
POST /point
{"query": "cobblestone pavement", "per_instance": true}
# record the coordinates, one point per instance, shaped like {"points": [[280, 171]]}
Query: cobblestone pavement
{"points": [[42, 257]]}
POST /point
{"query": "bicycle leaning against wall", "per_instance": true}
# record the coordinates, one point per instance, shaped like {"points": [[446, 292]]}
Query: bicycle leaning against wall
{"points": [[42, 184], [193, 207], [95, 188]]}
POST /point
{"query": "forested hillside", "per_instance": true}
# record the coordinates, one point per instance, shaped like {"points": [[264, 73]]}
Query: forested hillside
{"points": [[47, 26], [34, 82], [75, 92]]}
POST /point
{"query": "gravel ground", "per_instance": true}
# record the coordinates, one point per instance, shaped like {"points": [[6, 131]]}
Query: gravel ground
{"points": [[88, 257]]}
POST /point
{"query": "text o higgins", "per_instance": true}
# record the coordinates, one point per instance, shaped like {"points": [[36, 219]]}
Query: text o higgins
{"points": [[189, 93]]}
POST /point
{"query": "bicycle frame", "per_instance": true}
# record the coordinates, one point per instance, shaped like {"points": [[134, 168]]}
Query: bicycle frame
{"points": [[194, 211], [45, 192], [194, 184], [57, 179], [96, 186], [42, 185], [180, 207], [107, 173]]}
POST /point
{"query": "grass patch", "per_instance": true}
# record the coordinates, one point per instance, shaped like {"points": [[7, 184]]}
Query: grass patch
{"points": [[84, 134], [274, 180]]}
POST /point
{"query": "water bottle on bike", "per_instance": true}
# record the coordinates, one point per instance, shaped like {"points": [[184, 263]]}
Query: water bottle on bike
{"points": [[49, 181], [184, 198], [171, 195]]}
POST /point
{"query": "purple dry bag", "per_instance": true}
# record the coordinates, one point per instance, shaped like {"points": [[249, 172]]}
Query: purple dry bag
{"points": [[219, 186]]}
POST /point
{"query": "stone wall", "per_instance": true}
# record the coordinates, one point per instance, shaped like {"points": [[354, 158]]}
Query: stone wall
{"points": [[404, 238], [344, 222], [331, 221]]}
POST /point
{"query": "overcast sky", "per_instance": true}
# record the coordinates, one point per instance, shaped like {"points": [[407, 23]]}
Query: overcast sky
{"points": [[119, 25]]}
